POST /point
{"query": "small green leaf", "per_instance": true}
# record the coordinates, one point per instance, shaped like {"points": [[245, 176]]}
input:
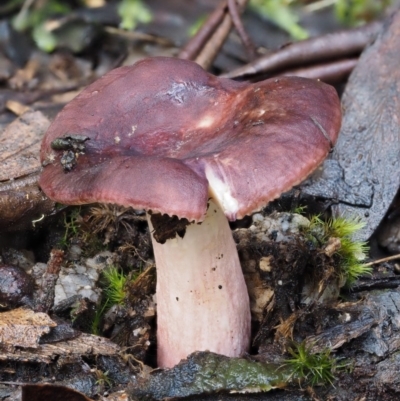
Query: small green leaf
{"points": [[193, 29], [22, 21], [44, 39], [281, 12], [132, 12]]}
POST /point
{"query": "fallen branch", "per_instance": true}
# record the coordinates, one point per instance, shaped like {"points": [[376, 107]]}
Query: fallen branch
{"points": [[334, 72], [315, 50]]}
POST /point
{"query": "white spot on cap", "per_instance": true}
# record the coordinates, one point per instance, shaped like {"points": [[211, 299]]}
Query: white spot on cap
{"points": [[134, 127], [205, 122], [117, 139]]}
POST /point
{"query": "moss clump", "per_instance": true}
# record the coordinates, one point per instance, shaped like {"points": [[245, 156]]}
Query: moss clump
{"points": [[314, 368], [351, 253], [114, 290]]}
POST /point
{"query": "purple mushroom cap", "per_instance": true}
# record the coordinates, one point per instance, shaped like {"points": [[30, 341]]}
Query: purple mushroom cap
{"points": [[162, 132]]}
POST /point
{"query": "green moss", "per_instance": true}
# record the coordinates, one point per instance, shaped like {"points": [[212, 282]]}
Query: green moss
{"points": [[313, 368], [351, 253], [115, 285], [114, 290]]}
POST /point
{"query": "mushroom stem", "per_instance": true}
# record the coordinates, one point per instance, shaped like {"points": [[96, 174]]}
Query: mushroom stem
{"points": [[202, 298]]}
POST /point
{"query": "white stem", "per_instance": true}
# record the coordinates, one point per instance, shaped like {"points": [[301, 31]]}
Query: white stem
{"points": [[202, 299]]}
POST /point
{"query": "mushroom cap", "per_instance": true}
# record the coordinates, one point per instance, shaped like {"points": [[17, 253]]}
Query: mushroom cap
{"points": [[163, 135]]}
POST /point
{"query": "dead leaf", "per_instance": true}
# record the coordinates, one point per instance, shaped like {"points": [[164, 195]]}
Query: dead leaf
{"points": [[21, 201], [20, 145], [39, 392]]}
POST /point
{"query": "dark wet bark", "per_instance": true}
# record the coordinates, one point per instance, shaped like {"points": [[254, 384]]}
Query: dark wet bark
{"points": [[363, 173]]}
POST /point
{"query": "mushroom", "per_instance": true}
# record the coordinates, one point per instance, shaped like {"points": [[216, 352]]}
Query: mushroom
{"points": [[194, 151]]}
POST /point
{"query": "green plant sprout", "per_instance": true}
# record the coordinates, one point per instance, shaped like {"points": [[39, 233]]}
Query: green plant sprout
{"points": [[103, 379], [314, 368], [351, 253], [300, 209], [95, 325], [72, 223]]}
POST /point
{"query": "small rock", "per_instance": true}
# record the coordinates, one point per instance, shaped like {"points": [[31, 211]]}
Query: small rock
{"points": [[21, 258], [81, 279], [279, 226], [16, 286]]}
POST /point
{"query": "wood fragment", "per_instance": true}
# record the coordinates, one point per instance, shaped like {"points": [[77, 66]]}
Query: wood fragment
{"points": [[45, 297], [16, 107], [23, 328], [361, 319], [84, 345]]}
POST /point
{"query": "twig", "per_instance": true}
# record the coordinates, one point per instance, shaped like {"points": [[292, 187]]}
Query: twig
{"points": [[45, 298], [28, 98], [134, 35], [205, 45], [387, 259], [212, 47], [322, 48], [333, 72], [245, 38], [197, 42]]}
